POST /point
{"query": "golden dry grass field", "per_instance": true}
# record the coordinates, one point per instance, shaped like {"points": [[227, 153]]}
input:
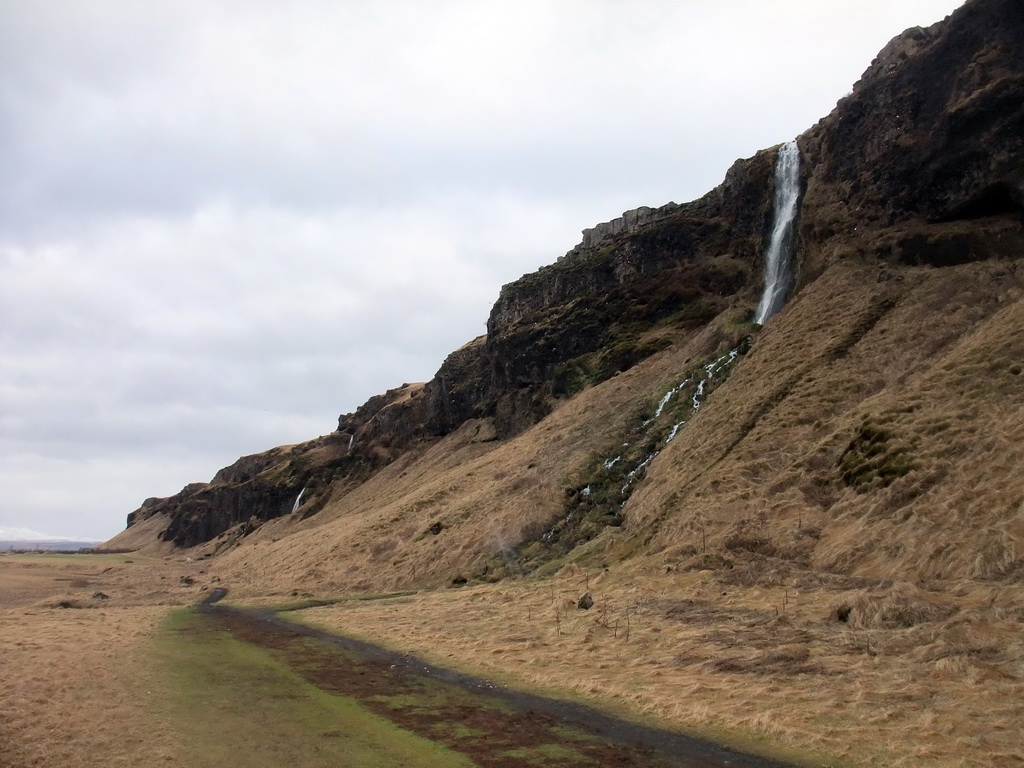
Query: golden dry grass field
{"points": [[832, 672], [909, 678], [816, 553], [825, 562], [135, 679], [79, 681]]}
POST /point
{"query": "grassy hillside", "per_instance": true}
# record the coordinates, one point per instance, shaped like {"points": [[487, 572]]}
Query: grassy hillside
{"points": [[857, 436]]}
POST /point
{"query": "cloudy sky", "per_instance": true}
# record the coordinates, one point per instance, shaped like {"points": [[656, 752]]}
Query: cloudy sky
{"points": [[225, 222]]}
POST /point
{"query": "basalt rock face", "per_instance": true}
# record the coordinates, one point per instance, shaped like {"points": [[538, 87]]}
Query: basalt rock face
{"points": [[385, 424], [258, 488], [265, 486], [923, 163], [933, 133], [576, 322], [598, 310], [459, 390], [732, 220]]}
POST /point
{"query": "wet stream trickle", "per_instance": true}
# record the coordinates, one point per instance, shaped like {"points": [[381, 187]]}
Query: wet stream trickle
{"points": [[601, 500]]}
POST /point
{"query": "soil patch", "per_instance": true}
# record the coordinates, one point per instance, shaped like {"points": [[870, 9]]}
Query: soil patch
{"points": [[494, 726]]}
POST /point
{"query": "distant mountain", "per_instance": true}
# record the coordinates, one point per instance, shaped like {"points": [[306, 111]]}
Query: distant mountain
{"points": [[25, 538], [25, 534]]}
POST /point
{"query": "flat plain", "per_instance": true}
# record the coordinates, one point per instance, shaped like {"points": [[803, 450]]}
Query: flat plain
{"points": [[828, 674]]}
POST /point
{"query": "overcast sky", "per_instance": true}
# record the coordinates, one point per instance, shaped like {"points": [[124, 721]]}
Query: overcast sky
{"points": [[225, 222]]}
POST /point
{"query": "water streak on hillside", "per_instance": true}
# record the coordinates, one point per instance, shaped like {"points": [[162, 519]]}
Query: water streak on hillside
{"points": [[712, 372], [778, 260], [601, 500]]}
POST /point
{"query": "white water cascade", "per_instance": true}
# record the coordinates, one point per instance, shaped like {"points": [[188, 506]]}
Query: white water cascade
{"points": [[298, 501], [629, 467], [709, 377], [778, 267]]}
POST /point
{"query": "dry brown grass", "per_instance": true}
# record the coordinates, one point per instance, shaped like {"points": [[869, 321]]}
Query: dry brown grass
{"points": [[828, 558], [911, 678], [940, 498], [75, 691], [858, 436], [485, 495], [79, 687], [763, 654]]}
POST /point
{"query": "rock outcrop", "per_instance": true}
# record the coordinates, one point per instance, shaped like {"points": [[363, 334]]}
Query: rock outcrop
{"points": [[932, 133], [258, 488]]}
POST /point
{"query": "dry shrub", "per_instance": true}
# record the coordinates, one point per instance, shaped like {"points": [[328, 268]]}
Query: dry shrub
{"points": [[69, 601], [785, 661], [998, 557], [680, 551], [972, 668], [819, 490], [533, 530], [954, 668], [709, 561], [757, 545], [690, 611], [902, 605], [759, 571]]}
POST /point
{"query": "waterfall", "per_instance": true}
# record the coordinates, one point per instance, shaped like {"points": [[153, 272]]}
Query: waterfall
{"points": [[298, 501], [778, 267]]}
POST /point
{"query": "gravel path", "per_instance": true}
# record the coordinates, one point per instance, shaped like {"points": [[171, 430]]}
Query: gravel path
{"points": [[495, 726]]}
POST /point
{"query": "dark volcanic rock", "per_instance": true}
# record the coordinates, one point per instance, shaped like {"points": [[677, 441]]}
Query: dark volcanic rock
{"points": [[258, 488], [679, 266], [459, 390], [933, 132]]}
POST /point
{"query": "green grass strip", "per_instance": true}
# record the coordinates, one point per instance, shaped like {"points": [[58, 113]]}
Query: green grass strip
{"points": [[237, 706]]}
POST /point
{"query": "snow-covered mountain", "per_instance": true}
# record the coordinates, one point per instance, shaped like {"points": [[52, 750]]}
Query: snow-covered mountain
{"points": [[25, 534], [11, 536]]}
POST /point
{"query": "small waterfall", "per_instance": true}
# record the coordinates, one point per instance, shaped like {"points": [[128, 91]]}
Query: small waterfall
{"points": [[778, 267], [298, 501]]}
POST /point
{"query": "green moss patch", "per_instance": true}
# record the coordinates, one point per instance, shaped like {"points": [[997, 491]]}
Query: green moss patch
{"points": [[874, 455]]}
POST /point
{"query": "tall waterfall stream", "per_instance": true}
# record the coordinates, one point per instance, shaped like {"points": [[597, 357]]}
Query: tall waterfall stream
{"points": [[778, 260]]}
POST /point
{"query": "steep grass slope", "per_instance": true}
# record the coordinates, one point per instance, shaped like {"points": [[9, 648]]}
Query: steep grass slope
{"points": [[866, 440]]}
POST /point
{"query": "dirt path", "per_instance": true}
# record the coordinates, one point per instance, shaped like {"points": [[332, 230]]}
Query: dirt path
{"points": [[495, 726]]}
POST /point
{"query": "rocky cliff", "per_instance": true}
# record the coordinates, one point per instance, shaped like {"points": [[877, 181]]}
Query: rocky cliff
{"points": [[933, 133], [921, 166]]}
